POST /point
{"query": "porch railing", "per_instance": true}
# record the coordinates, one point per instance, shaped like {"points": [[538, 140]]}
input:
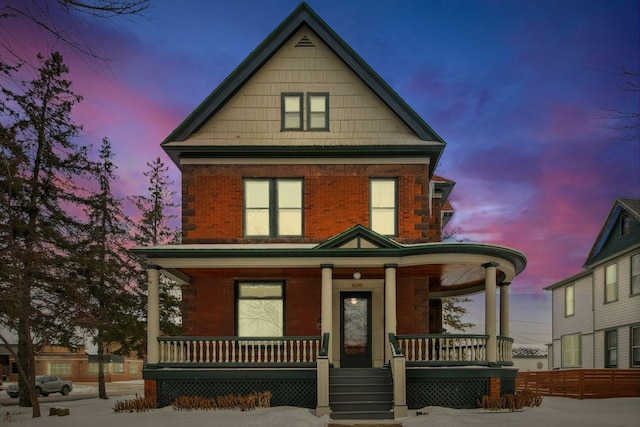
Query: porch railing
{"points": [[505, 350], [229, 351], [451, 349]]}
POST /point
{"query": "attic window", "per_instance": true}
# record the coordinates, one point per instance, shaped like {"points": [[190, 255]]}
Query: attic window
{"points": [[305, 42], [624, 225]]}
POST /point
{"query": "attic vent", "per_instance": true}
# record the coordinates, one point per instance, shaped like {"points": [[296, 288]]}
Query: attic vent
{"points": [[305, 42]]}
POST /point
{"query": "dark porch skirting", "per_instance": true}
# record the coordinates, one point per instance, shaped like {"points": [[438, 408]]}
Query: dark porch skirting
{"points": [[288, 387], [454, 387]]}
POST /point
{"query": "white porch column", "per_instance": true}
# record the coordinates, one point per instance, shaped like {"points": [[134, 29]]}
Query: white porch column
{"points": [[326, 310], [490, 310], [389, 307], [504, 308], [153, 315]]}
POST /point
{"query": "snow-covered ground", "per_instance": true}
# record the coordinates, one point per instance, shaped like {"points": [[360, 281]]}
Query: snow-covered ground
{"points": [[555, 411]]}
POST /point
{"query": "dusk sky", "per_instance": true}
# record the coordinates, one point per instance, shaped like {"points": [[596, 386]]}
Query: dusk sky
{"points": [[522, 91]]}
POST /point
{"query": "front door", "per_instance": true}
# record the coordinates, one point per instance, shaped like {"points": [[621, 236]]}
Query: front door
{"points": [[355, 321]]}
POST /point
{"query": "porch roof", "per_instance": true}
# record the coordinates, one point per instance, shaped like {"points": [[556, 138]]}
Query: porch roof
{"points": [[457, 266]]}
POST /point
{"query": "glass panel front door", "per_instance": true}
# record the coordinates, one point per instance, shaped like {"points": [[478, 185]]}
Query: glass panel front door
{"points": [[355, 348]]}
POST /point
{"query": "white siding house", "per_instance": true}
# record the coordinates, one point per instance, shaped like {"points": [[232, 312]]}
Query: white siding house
{"points": [[596, 313]]}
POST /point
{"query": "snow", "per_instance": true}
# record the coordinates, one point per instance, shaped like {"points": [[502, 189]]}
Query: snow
{"points": [[555, 411]]}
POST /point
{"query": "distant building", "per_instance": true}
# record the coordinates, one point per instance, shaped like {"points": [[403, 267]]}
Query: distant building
{"points": [[530, 358], [596, 313], [74, 365]]}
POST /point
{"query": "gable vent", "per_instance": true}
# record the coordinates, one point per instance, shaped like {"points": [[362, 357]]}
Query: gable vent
{"points": [[305, 42]]}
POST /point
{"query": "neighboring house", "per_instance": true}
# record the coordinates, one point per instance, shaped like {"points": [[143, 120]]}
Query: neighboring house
{"points": [[596, 313], [312, 257], [75, 365], [530, 358]]}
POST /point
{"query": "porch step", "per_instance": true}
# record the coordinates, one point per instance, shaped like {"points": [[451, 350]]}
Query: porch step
{"points": [[361, 393]]}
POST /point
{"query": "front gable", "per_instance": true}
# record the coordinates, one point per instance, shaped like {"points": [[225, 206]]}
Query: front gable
{"points": [[304, 65], [242, 117], [620, 231], [358, 237]]}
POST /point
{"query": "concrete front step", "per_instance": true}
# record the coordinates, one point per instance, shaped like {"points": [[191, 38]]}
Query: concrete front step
{"points": [[362, 415]]}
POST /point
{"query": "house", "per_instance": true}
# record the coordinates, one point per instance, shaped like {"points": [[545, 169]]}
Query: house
{"points": [[596, 313], [312, 263], [74, 364], [530, 358]]}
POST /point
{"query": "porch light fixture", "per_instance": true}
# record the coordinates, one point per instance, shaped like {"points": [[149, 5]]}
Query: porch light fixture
{"points": [[356, 274]]}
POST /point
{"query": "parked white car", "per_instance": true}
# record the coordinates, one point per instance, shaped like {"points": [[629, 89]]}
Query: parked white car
{"points": [[45, 385]]}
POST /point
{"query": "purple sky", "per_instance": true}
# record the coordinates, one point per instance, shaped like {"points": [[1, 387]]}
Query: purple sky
{"points": [[521, 91]]}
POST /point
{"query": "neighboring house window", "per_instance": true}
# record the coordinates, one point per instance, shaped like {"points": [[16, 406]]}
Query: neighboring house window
{"points": [[571, 351], [118, 368], [568, 301], [635, 274], [272, 207], [60, 368], [95, 366], [260, 309], [318, 111], [133, 369], [611, 349], [624, 225], [292, 111], [383, 202], [635, 346], [611, 283]]}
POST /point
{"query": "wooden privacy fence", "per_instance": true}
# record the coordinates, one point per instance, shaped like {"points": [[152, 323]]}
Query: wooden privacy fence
{"points": [[582, 383]]}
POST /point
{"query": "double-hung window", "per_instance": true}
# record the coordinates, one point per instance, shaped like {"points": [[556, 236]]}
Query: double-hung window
{"points": [[260, 309], [383, 206], [292, 111], [273, 207], [611, 349], [569, 301], [318, 111], [571, 351], [635, 274], [611, 283]]}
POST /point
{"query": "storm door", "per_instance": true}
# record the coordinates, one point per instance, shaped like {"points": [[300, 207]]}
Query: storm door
{"points": [[355, 337]]}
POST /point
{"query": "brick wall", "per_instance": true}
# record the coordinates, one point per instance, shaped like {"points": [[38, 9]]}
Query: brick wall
{"points": [[209, 301], [336, 197]]}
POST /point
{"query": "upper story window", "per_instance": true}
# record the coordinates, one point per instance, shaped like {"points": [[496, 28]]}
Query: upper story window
{"points": [[292, 111], [568, 301], [260, 309], [635, 274], [611, 283], [272, 207], [624, 225], [384, 206], [317, 111]]}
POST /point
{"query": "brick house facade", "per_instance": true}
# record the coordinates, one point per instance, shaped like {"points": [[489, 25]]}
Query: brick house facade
{"points": [[312, 238]]}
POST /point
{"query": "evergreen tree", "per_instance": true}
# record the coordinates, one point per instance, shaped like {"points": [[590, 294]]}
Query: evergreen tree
{"points": [[105, 264], [155, 214], [40, 168]]}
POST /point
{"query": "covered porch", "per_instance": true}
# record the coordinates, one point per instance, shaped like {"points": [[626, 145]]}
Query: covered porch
{"points": [[357, 263]]}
